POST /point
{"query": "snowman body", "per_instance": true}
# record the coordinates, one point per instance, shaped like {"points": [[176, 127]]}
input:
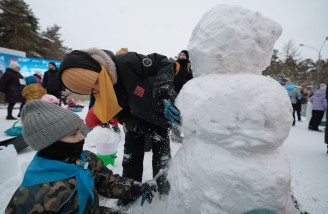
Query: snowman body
{"points": [[234, 121]]}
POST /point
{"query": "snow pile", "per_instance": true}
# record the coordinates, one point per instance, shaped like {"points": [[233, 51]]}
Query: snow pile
{"points": [[234, 121], [104, 139], [9, 156]]}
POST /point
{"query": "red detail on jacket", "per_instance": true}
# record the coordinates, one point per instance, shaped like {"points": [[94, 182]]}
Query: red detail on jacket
{"points": [[139, 91]]}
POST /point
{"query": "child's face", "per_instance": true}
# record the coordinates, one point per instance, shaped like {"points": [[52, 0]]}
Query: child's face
{"points": [[75, 137]]}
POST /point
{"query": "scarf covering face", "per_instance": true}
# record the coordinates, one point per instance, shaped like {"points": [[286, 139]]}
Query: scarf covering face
{"points": [[183, 62], [106, 105], [61, 150], [42, 170]]}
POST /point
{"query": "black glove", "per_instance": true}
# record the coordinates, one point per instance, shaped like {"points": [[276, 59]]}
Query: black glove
{"points": [[143, 189]]}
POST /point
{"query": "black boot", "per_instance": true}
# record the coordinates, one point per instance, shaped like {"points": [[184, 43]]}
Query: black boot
{"points": [[10, 117]]}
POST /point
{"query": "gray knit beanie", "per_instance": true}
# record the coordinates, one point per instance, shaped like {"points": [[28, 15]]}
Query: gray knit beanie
{"points": [[45, 123]]}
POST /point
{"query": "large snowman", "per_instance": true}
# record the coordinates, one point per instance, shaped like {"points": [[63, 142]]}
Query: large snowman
{"points": [[234, 121]]}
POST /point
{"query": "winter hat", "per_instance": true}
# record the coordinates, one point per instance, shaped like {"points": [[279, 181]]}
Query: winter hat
{"points": [[79, 59], [80, 69], [186, 53], [122, 51], [45, 123], [38, 73], [79, 80], [50, 98], [52, 63], [30, 80], [14, 64]]}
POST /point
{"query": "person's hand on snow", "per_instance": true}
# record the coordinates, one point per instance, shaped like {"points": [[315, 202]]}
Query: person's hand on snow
{"points": [[172, 113], [146, 190]]}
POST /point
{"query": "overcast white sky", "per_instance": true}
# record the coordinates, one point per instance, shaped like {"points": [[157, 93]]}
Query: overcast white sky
{"points": [[148, 26]]}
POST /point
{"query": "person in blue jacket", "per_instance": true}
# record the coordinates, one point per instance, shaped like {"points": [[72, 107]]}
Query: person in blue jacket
{"points": [[294, 95]]}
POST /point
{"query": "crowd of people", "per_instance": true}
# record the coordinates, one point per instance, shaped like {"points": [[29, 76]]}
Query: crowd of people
{"points": [[318, 100], [19, 89], [300, 99]]}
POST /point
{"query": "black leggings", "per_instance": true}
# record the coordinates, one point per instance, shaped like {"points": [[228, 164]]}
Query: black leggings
{"points": [[11, 107]]}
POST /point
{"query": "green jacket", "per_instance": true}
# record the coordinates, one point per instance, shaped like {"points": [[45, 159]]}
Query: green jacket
{"points": [[61, 196]]}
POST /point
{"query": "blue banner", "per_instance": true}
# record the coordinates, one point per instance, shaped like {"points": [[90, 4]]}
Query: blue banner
{"points": [[28, 65]]}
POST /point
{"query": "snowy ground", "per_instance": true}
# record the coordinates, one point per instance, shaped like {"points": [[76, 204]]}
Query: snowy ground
{"points": [[305, 149]]}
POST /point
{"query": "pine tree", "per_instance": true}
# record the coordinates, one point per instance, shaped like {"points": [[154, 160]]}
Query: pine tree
{"points": [[324, 71], [275, 69], [289, 66], [306, 73], [52, 45], [19, 27]]}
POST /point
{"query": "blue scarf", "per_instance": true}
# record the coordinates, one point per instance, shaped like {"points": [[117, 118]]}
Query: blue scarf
{"points": [[42, 170]]}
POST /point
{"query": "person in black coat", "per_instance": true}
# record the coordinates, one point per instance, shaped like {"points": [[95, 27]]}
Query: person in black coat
{"points": [[182, 75], [12, 84], [182, 70], [138, 90], [51, 81]]}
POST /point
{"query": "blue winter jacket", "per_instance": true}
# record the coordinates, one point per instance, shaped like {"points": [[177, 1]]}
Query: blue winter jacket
{"points": [[293, 93]]}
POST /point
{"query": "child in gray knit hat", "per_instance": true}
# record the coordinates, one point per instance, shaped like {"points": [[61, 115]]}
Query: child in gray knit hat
{"points": [[65, 178]]}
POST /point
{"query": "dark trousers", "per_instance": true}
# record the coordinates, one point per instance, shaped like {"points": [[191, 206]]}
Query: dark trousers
{"points": [[326, 132], [134, 155], [298, 110], [294, 110], [316, 119], [11, 107]]}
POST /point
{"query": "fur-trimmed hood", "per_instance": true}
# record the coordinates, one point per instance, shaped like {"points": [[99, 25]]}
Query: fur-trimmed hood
{"points": [[104, 59]]}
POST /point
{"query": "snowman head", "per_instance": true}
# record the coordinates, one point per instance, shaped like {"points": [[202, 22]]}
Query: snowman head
{"points": [[238, 43]]}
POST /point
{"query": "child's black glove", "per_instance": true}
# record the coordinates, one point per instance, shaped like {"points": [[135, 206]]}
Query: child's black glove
{"points": [[146, 190]]}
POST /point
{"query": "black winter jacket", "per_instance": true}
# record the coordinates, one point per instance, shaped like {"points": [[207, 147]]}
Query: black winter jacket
{"points": [[11, 85], [182, 76], [51, 81], [143, 82]]}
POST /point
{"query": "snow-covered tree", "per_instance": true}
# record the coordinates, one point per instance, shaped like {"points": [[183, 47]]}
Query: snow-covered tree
{"points": [[51, 44], [18, 27]]}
